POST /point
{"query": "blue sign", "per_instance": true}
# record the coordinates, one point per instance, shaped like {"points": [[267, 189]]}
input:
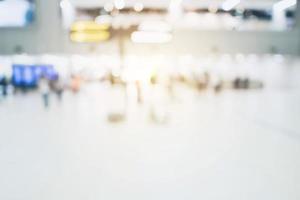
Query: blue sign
{"points": [[29, 75]]}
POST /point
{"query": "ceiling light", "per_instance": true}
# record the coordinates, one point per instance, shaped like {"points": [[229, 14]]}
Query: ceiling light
{"points": [[108, 7], [119, 4], [89, 37], [150, 37], [138, 7], [230, 4], [284, 4], [68, 13], [88, 26], [155, 25], [64, 4], [105, 20], [175, 10], [213, 8]]}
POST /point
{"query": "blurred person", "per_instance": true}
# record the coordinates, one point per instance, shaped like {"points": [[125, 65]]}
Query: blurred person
{"points": [[4, 83], [217, 83], [241, 83], [201, 80], [237, 83], [45, 90], [119, 102], [139, 92], [170, 87], [158, 100], [218, 86], [246, 83], [58, 87], [75, 83]]}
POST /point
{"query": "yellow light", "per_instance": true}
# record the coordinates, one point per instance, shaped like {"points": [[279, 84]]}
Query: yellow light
{"points": [[88, 26], [89, 37]]}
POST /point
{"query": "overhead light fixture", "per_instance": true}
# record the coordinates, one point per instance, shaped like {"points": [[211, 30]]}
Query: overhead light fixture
{"points": [[119, 4], [88, 26], [85, 37], [64, 3], [108, 7], [175, 10], [105, 20], [213, 8], [152, 32], [138, 7], [284, 4], [68, 13], [151, 37], [155, 25], [230, 4], [89, 31]]}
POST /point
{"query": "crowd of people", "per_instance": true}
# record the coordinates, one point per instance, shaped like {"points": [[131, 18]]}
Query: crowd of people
{"points": [[201, 81], [45, 87]]}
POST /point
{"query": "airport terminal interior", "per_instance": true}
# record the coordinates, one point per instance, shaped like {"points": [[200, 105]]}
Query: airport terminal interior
{"points": [[150, 99]]}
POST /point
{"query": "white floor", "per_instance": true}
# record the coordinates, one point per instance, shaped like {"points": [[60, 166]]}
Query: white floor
{"points": [[241, 145]]}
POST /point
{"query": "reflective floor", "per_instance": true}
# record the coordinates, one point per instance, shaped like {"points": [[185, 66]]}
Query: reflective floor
{"points": [[233, 145]]}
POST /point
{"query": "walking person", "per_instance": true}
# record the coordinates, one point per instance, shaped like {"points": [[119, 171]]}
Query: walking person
{"points": [[4, 83], [45, 90], [58, 87]]}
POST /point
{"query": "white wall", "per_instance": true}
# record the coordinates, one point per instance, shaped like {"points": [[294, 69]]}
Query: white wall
{"points": [[47, 36]]}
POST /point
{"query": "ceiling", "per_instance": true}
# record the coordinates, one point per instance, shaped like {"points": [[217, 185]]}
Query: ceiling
{"points": [[165, 3]]}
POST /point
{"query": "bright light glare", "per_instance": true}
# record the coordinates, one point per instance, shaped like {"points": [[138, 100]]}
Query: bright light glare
{"points": [[284, 4], [230, 4], [138, 7], [104, 20], [119, 4], [83, 26], [175, 10], [68, 13], [108, 7], [64, 3], [155, 26], [150, 37], [89, 37], [13, 13]]}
